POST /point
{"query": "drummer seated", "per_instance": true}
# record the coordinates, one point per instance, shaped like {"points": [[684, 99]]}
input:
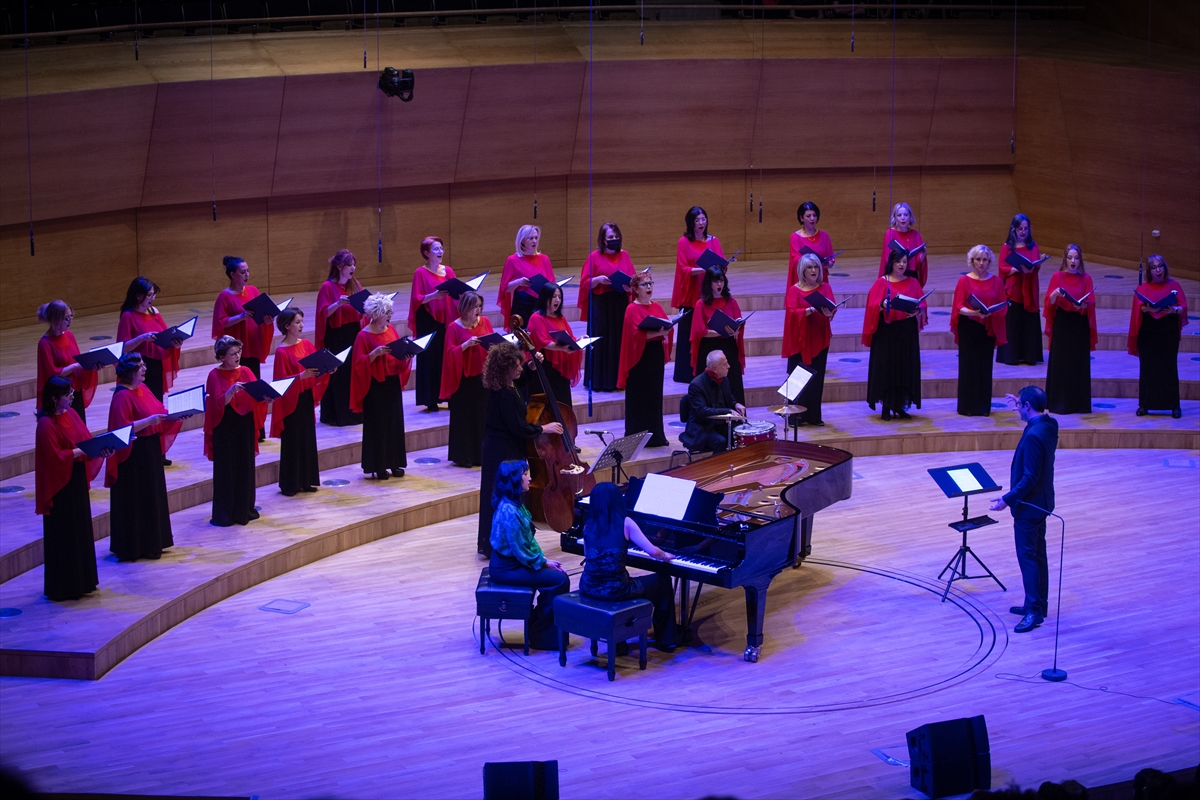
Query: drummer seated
{"points": [[708, 396]]}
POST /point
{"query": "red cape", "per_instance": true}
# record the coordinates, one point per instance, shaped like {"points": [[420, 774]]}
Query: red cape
{"points": [[990, 291], [443, 309], [700, 325], [345, 314], [128, 406], [287, 363], [53, 354], [910, 239], [686, 289], [1155, 292], [133, 324], [875, 297], [803, 333], [364, 370], [594, 266], [819, 244], [1078, 285], [568, 364], [53, 456], [219, 381], [1020, 287], [633, 338], [458, 363], [518, 266], [255, 339]]}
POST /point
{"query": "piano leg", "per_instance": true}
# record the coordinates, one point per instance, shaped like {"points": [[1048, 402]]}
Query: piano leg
{"points": [[803, 541], [756, 609], [685, 629]]}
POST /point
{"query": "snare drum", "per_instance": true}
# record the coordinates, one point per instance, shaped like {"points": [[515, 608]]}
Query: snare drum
{"points": [[752, 432]]}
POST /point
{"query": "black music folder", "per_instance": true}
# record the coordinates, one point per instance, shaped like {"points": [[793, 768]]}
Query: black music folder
{"points": [[564, 338], [182, 332], [722, 323], [325, 361], [620, 280], [262, 390], [808, 251], [1020, 262], [820, 301], [1071, 299], [982, 307], [1166, 302], [658, 323], [492, 339], [263, 306], [185, 403], [896, 247], [903, 302], [536, 282], [710, 259], [101, 356], [406, 347], [358, 300], [456, 288], [113, 440]]}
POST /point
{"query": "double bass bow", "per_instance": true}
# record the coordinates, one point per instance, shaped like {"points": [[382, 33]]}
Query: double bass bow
{"points": [[557, 475]]}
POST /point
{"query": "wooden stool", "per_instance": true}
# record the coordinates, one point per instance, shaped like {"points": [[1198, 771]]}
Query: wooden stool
{"points": [[598, 619], [498, 601]]}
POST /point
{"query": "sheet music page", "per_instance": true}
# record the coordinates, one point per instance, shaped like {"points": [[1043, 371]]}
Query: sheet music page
{"points": [[423, 342], [476, 282], [190, 400], [664, 496], [342, 355], [795, 383], [285, 303], [124, 434], [964, 479], [587, 340], [116, 348], [281, 386], [188, 328]]}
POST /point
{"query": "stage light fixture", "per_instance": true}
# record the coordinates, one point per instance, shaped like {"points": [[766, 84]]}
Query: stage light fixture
{"points": [[397, 83]]}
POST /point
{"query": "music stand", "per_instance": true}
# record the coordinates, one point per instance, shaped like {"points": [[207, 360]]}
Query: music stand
{"points": [[619, 451], [964, 480]]}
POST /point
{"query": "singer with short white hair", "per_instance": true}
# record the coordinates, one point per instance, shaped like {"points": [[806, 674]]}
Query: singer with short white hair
{"points": [[1031, 499]]}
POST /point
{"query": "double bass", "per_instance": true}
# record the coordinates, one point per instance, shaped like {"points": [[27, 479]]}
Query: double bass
{"points": [[557, 476]]}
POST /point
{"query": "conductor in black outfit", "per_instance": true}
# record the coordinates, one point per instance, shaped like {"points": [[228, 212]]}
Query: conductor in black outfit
{"points": [[1031, 498], [709, 394], [505, 430]]}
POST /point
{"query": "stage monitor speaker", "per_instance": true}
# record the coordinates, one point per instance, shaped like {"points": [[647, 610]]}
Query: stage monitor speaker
{"points": [[952, 757], [520, 780]]}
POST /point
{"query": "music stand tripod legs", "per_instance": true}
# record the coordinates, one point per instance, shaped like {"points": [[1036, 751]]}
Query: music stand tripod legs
{"points": [[957, 565]]}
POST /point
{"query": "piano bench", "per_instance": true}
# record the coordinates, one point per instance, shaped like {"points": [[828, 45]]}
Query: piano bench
{"points": [[499, 601], [598, 619]]}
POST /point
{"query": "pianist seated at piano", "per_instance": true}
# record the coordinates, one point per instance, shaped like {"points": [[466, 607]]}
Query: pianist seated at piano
{"points": [[607, 534], [517, 558], [709, 394]]}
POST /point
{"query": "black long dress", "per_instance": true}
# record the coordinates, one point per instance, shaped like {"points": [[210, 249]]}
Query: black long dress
{"points": [[728, 346], [383, 446], [1069, 367], [558, 384], [154, 377], [607, 319], [68, 541], [335, 405], [1158, 359], [810, 396], [644, 395], [429, 364], [468, 418], [1024, 332], [894, 371], [140, 517], [524, 305], [684, 362], [255, 366], [504, 438], [233, 469], [77, 404], [974, 368], [299, 468]]}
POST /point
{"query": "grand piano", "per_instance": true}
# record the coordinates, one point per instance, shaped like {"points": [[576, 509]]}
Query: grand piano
{"points": [[757, 521]]}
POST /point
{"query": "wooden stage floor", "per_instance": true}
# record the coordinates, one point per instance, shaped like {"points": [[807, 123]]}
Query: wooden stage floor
{"points": [[377, 689]]}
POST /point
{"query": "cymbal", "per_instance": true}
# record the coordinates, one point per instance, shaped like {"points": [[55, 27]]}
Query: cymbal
{"points": [[785, 410], [727, 416]]}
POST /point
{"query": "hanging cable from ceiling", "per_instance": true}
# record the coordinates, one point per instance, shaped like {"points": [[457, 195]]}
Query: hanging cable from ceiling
{"points": [[591, 68], [892, 151], [1145, 139], [212, 110], [137, 31], [365, 29], [537, 104], [28, 134], [851, 26], [755, 131], [378, 139], [1012, 142]]}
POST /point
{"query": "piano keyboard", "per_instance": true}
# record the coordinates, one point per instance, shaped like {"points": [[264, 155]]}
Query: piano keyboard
{"points": [[710, 567]]}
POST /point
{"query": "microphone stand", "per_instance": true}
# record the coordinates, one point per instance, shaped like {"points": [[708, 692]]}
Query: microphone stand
{"points": [[1054, 674]]}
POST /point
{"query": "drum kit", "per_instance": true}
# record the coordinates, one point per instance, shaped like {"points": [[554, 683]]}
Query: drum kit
{"points": [[750, 432]]}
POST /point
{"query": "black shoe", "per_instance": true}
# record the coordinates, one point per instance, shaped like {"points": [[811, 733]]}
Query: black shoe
{"points": [[382, 476], [819, 423], [886, 416], [398, 473], [309, 489], [1028, 623], [166, 462], [254, 514], [665, 648], [1141, 412], [287, 494], [903, 415], [1177, 413], [220, 524], [1020, 611]]}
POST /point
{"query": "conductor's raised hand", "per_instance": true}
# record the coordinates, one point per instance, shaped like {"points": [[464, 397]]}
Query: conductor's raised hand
{"points": [[553, 427]]}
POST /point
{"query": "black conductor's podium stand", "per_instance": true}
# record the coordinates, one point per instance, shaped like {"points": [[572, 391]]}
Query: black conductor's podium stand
{"points": [[963, 481]]}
